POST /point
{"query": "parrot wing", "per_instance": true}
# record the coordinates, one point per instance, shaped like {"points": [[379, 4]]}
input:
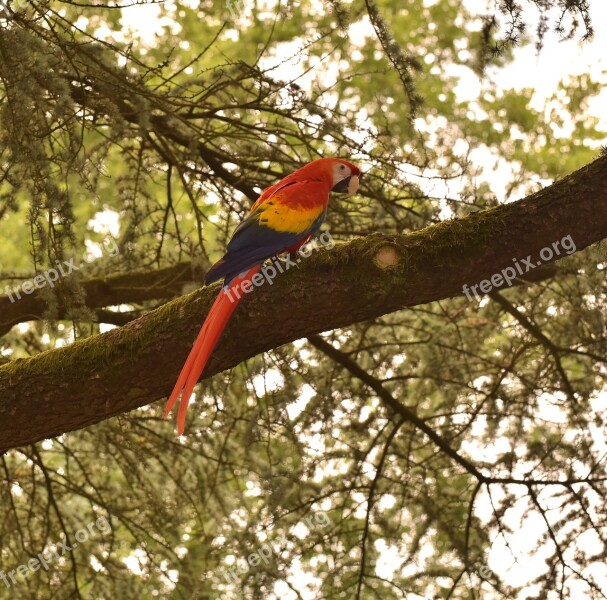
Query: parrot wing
{"points": [[274, 224]]}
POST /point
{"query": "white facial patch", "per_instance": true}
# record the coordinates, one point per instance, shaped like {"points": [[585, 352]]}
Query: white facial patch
{"points": [[352, 186]]}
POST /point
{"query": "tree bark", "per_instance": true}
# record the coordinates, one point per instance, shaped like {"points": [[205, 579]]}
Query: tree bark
{"points": [[109, 374]]}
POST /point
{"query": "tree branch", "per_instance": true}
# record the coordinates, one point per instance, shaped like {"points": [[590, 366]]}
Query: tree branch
{"points": [[386, 397], [124, 288], [106, 375]]}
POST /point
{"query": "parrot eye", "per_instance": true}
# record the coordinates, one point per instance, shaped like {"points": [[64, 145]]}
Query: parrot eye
{"points": [[341, 171]]}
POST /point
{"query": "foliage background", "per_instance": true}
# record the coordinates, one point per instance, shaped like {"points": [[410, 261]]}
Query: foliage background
{"points": [[161, 137]]}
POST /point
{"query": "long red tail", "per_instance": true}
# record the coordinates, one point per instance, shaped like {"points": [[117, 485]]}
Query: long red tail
{"points": [[224, 306]]}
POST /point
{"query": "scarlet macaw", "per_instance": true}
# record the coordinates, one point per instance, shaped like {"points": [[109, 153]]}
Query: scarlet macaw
{"points": [[283, 219]]}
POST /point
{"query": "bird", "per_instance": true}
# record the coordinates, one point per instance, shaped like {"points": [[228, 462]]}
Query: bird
{"points": [[284, 217]]}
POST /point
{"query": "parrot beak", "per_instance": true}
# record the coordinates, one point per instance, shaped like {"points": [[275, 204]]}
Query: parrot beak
{"points": [[347, 186]]}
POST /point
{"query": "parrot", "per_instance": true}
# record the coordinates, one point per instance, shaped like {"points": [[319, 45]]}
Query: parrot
{"points": [[284, 217]]}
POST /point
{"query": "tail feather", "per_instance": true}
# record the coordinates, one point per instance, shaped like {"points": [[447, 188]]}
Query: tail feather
{"points": [[208, 337], [187, 367]]}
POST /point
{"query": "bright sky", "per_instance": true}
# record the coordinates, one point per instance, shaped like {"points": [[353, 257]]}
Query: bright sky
{"points": [[558, 60]]}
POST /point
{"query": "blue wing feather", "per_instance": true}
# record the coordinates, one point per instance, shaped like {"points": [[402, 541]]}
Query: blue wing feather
{"points": [[254, 243]]}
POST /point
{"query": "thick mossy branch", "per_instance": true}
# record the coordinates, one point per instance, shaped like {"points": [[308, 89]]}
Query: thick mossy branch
{"points": [[106, 375]]}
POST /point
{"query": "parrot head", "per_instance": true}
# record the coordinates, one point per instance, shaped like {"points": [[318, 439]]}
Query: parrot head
{"points": [[345, 177], [340, 175]]}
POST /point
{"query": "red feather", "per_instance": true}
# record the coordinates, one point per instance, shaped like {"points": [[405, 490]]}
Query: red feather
{"points": [[224, 306]]}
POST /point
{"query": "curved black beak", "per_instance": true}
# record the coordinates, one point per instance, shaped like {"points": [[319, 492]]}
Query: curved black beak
{"points": [[347, 186], [342, 186]]}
